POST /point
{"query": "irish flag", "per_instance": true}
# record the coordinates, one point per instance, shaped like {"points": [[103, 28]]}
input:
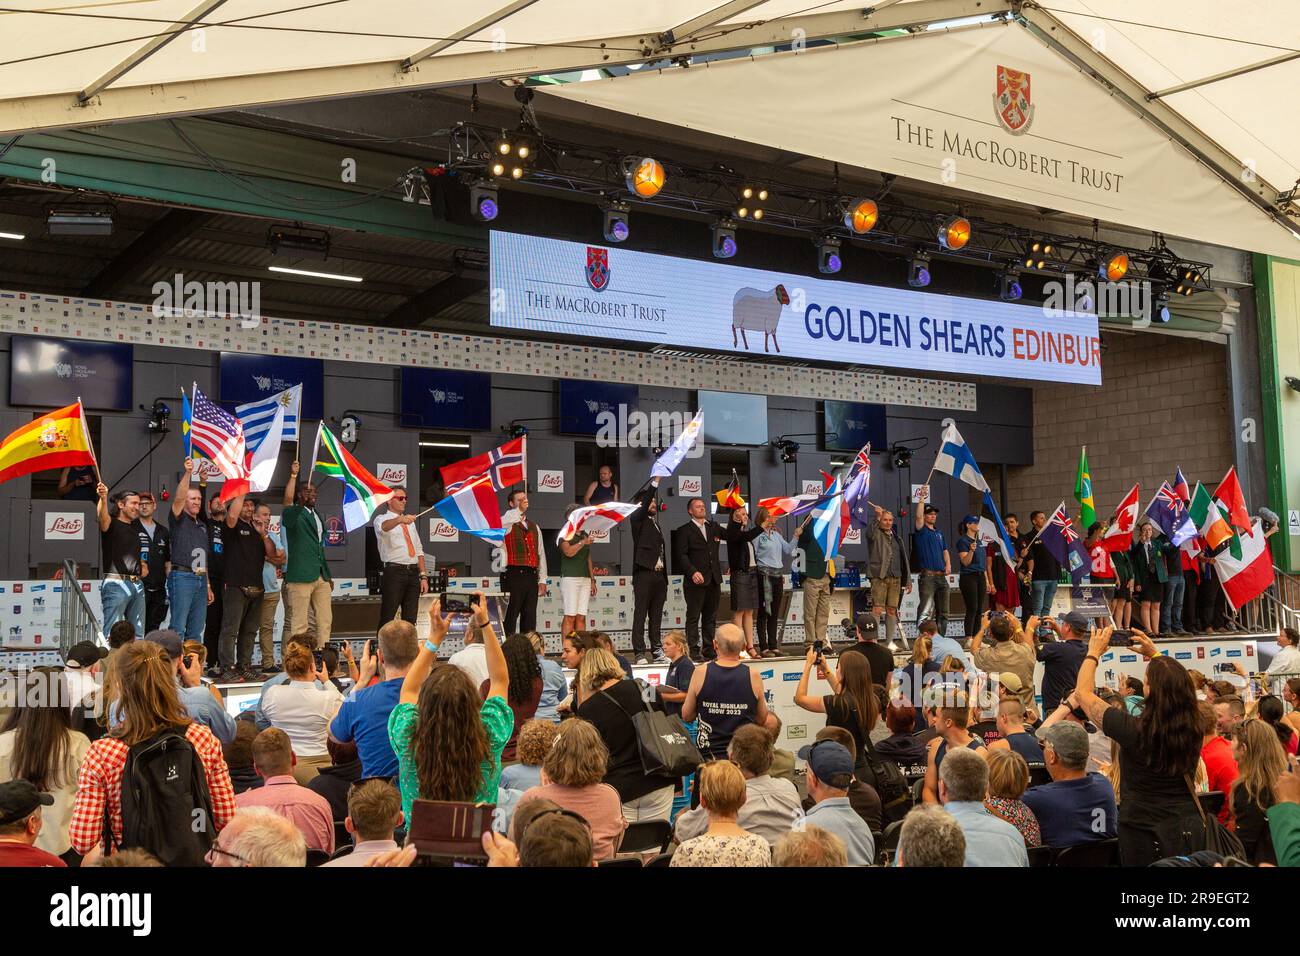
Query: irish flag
{"points": [[1210, 525], [362, 491], [1250, 575]]}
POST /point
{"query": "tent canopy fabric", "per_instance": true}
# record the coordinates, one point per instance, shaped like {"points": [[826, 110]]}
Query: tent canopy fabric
{"points": [[1215, 76]]}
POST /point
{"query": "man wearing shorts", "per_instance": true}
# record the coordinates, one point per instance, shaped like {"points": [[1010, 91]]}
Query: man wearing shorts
{"points": [[577, 580], [887, 568]]}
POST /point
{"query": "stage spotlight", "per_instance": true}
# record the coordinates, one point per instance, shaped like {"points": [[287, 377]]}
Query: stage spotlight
{"points": [[860, 215], [498, 168], [918, 273], [483, 202], [1189, 276], [615, 221], [828, 255], [644, 176], [524, 151], [1160, 312], [724, 239], [516, 172], [1084, 301], [503, 147], [1037, 252], [789, 451], [954, 232], [1009, 286], [1112, 265], [749, 204]]}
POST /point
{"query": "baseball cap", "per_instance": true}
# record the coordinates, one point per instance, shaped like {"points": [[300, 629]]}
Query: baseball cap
{"points": [[970, 519], [18, 798], [1011, 682], [1070, 741], [1076, 621], [85, 654], [830, 762], [146, 496], [865, 622], [170, 641], [931, 510]]}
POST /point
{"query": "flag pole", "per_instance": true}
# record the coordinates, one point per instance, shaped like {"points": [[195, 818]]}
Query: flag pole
{"points": [[424, 512], [81, 413]]}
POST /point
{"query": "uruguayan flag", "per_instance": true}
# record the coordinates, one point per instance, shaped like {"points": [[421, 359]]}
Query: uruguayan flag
{"points": [[258, 416], [955, 459]]}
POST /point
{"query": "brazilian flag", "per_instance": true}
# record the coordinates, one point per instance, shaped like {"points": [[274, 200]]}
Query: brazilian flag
{"points": [[1083, 492]]}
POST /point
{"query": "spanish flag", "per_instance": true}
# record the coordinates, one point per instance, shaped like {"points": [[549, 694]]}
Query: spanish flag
{"points": [[55, 440]]}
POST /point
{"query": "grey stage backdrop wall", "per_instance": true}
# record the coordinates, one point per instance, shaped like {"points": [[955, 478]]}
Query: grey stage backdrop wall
{"points": [[1000, 432]]}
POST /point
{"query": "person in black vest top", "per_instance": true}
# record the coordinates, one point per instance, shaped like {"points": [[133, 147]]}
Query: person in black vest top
{"points": [[1016, 736], [695, 555], [649, 573], [724, 695], [741, 562]]}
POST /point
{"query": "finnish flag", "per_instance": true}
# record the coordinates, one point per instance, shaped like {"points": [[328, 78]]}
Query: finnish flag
{"points": [[955, 459]]}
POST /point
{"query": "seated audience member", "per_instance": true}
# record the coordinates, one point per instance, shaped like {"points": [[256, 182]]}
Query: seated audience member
{"points": [[1008, 779], [239, 757], [572, 775], [362, 718], [1284, 818], [306, 640], [202, 703], [526, 686], [724, 843], [1133, 696], [147, 704], [535, 740], [1015, 736], [39, 745], [1077, 806], [555, 687], [333, 782], [829, 774], [950, 722], [127, 858], [123, 632], [555, 838], [863, 797], [1260, 760], [20, 825], [83, 680], [258, 836], [963, 787], [303, 708], [1216, 751], [783, 762], [310, 812], [1273, 712], [770, 804], [1229, 712], [448, 738], [603, 640], [472, 657], [1199, 682], [1101, 751], [902, 746], [374, 813], [609, 702], [811, 846], [930, 836]]}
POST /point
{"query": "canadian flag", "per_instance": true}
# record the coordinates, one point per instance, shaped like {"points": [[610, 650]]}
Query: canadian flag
{"points": [[1119, 536]]}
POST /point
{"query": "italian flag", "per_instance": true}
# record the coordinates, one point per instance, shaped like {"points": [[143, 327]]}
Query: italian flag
{"points": [[1210, 523], [363, 493], [1250, 575]]}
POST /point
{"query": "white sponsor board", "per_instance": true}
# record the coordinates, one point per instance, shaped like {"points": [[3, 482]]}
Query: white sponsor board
{"points": [[440, 532], [391, 474], [812, 486], [690, 486], [65, 526], [550, 481]]}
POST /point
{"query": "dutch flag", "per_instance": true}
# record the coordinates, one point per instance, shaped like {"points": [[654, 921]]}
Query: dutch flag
{"points": [[473, 509]]}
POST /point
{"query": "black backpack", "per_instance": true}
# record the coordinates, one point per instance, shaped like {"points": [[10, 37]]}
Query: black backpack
{"points": [[166, 807], [884, 776]]}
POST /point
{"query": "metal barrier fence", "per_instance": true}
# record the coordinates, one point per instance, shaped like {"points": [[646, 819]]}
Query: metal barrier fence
{"points": [[77, 622]]}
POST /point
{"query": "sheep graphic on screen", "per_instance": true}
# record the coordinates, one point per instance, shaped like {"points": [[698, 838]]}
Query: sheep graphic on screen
{"points": [[757, 310]]}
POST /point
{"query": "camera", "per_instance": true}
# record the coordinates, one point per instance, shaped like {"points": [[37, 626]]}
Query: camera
{"points": [[1224, 669], [1121, 639], [850, 629], [187, 661]]}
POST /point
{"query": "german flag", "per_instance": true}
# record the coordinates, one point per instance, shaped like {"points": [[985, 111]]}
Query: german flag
{"points": [[729, 497], [56, 440]]}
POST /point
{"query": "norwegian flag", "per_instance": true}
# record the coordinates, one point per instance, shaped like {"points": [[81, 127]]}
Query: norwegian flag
{"points": [[1060, 538], [219, 437], [594, 519], [503, 466]]}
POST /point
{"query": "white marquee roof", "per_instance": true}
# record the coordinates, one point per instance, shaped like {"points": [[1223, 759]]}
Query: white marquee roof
{"points": [[71, 63]]}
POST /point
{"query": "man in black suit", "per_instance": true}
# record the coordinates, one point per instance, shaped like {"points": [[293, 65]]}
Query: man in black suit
{"points": [[649, 573], [696, 557]]}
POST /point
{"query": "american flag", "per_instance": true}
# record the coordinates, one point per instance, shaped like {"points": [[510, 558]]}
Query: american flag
{"points": [[219, 437]]}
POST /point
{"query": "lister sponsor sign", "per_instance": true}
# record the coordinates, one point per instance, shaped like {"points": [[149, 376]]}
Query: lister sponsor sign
{"points": [[440, 532], [391, 474], [546, 286], [65, 526], [552, 481], [690, 486]]}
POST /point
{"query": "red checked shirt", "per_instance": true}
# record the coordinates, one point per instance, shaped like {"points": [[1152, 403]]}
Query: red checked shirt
{"points": [[101, 779]]}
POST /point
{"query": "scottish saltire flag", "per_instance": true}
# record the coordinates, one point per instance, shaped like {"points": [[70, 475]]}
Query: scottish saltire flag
{"points": [[594, 519], [218, 436], [363, 493], [1060, 538], [1170, 515], [473, 509], [827, 522], [667, 463], [955, 459], [257, 417], [992, 531], [185, 425]]}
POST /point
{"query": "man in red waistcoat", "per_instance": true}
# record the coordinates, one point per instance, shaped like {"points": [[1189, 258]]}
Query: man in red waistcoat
{"points": [[524, 578]]}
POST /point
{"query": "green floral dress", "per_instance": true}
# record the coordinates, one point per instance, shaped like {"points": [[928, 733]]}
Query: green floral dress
{"points": [[499, 723]]}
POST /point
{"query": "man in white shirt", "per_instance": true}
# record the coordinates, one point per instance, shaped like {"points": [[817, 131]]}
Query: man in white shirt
{"points": [[402, 555], [472, 658], [770, 804], [82, 668], [1287, 659]]}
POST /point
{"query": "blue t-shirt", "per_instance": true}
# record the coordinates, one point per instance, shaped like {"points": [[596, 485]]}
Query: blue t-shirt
{"points": [[554, 689], [929, 548], [1070, 812], [363, 718], [520, 776], [678, 677], [979, 558]]}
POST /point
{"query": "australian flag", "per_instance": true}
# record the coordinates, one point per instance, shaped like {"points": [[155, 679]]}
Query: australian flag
{"points": [[1060, 538], [1170, 514], [859, 487]]}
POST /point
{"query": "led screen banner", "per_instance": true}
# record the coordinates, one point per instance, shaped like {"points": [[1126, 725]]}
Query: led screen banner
{"points": [[572, 288]]}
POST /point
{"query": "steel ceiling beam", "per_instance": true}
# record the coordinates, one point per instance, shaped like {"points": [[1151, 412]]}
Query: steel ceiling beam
{"points": [[492, 19]]}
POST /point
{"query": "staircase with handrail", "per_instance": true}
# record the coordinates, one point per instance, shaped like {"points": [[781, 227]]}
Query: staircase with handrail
{"points": [[77, 621]]}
